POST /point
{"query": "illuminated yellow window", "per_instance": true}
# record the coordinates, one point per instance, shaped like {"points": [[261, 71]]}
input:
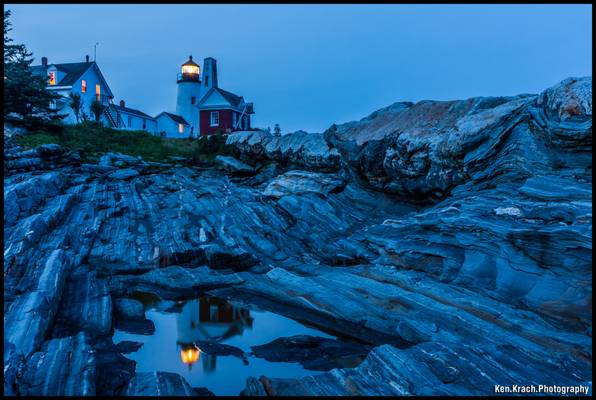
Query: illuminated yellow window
{"points": [[83, 86], [97, 91], [180, 128], [52, 77], [190, 69]]}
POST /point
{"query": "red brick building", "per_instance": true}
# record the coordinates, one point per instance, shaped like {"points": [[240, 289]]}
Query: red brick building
{"points": [[223, 112]]}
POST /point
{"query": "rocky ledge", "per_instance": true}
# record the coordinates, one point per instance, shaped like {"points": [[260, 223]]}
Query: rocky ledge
{"points": [[451, 240]]}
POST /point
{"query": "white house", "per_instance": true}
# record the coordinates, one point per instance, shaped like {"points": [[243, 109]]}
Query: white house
{"points": [[83, 78], [131, 119], [86, 79], [202, 107], [172, 126]]}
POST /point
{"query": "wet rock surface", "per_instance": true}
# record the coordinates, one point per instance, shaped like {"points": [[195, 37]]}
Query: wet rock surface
{"points": [[314, 353], [452, 238], [161, 384], [220, 349], [62, 367], [128, 346], [428, 369]]}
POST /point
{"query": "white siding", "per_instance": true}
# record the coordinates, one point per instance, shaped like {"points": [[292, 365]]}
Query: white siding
{"points": [[184, 106], [87, 98], [170, 127], [135, 123]]}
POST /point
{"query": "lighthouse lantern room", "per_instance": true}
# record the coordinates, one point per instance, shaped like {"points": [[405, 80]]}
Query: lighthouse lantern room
{"points": [[190, 71]]}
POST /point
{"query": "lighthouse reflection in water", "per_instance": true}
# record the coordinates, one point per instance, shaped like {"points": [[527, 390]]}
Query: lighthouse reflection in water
{"points": [[225, 329], [208, 319]]}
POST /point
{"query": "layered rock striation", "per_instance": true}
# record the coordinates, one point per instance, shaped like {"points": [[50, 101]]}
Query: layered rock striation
{"points": [[452, 240]]}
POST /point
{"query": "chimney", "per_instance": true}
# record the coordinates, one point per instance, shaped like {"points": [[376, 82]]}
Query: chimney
{"points": [[87, 58], [44, 61], [210, 72], [122, 104]]}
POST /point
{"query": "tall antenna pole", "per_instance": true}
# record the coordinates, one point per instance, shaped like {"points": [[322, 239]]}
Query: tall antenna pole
{"points": [[95, 51]]}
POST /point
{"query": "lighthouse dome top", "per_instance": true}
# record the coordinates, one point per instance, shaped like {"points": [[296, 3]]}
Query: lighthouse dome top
{"points": [[190, 71], [190, 62], [190, 67]]}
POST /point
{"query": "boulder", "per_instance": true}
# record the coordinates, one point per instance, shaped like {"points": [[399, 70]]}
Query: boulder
{"points": [[302, 182], [159, 384], [123, 174], [307, 150], [129, 308], [233, 166]]}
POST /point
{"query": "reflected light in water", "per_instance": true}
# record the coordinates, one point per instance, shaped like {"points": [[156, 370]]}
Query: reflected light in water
{"points": [[208, 319], [182, 328], [190, 355]]}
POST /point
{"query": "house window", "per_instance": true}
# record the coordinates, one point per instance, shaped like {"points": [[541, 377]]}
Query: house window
{"points": [[214, 118], [180, 128], [52, 104], [129, 121], [83, 86], [193, 100], [52, 77], [97, 92]]}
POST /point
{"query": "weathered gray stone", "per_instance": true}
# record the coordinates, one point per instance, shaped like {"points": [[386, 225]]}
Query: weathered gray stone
{"points": [[110, 159], [28, 318], [486, 279], [159, 384], [314, 353], [124, 174], [309, 150], [230, 164], [129, 308], [86, 305], [429, 369], [63, 367], [301, 182]]}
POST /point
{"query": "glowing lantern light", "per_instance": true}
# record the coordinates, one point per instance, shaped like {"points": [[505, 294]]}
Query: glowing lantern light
{"points": [[190, 67], [190, 355]]}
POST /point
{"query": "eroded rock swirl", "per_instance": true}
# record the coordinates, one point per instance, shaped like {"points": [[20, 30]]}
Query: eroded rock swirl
{"points": [[452, 239]]}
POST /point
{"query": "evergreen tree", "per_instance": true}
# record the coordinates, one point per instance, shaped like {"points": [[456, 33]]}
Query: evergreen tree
{"points": [[24, 93], [276, 130]]}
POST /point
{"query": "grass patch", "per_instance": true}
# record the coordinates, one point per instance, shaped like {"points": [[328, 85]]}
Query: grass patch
{"points": [[92, 141]]}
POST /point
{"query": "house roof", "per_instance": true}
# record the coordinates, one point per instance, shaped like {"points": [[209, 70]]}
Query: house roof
{"points": [[176, 118], [233, 99], [131, 111], [72, 71]]}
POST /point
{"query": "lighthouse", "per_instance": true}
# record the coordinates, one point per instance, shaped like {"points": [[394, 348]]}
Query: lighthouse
{"points": [[189, 94]]}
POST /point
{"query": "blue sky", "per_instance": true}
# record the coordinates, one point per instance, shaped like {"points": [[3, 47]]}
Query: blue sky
{"points": [[308, 66]]}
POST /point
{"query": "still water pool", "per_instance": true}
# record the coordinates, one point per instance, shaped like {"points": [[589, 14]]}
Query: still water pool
{"points": [[179, 325]]}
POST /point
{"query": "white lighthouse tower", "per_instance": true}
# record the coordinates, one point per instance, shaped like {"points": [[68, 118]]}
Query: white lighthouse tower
{"points": [[189, 94]]}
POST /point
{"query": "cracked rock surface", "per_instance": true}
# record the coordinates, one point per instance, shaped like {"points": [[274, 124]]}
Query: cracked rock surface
{"points": [[452, 239]]}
